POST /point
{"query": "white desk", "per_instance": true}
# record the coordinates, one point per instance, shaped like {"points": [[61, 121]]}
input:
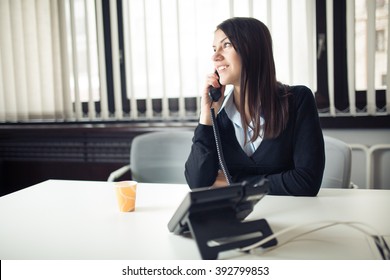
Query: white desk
{"points": [[80, 220]]}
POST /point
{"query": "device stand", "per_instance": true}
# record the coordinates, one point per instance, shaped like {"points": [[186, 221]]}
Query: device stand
{"points": [[219, 230]]}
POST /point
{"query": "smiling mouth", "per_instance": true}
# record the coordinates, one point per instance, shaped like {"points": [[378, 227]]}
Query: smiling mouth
{"points": [[223, 67]]}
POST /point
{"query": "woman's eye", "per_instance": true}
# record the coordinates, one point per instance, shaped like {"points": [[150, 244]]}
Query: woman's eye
{"points": [[227, 44]]}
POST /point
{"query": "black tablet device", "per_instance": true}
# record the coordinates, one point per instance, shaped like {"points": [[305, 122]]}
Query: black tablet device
{"points": [[238, 197]]}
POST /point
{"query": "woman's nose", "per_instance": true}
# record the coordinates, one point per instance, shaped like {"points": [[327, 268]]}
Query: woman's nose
{"points": [[216, 56]]}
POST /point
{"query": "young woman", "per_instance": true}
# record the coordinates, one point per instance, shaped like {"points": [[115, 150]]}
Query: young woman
{"points": [[267, 129]]}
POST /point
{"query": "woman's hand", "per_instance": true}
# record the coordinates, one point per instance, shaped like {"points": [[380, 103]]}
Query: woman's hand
{"points": [[220, 181], [206, 102]]}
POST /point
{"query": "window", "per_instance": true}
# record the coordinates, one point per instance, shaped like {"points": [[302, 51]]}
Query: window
{"points": [[82, 50], [101, 60], [380, 25], [167, 49], [356, 60], [86, 60]]}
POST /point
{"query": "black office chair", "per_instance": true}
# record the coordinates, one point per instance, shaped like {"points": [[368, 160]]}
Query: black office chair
{"points": [[158, 157]]}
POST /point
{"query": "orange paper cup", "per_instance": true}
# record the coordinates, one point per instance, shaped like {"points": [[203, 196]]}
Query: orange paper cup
{"points": [[126, 194]]}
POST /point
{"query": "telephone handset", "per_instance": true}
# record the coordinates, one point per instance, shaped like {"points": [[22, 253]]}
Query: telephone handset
{"points": [[215, 94]]}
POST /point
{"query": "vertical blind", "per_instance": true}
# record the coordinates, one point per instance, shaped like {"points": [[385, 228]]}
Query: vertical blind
{"points": [[363, 20], [63, 60], [54, 63]]}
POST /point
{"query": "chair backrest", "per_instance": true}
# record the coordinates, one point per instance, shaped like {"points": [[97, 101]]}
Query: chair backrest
{"points": [[338, 157], [159, 157]]}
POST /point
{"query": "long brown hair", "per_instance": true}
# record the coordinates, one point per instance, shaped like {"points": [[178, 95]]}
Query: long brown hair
{"points": [[267, 97]]}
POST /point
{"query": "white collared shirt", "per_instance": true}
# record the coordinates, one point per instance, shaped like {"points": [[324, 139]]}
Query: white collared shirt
{"points": [[231, 111]]}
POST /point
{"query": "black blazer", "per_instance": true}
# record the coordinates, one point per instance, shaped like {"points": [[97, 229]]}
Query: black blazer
{"points": [[293, 162]]}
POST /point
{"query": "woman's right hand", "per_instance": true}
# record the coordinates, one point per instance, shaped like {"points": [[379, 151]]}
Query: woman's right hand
{"points": [[206, 102]]}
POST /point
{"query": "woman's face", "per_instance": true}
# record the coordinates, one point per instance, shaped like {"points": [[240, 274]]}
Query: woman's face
{"points": [[226, 60]]}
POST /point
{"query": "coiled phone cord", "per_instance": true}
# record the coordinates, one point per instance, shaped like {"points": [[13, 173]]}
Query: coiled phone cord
{"points": [[221, 158]]}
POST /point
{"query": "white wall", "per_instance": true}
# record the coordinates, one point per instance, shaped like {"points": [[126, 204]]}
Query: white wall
{"points": [[381, 158]]}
